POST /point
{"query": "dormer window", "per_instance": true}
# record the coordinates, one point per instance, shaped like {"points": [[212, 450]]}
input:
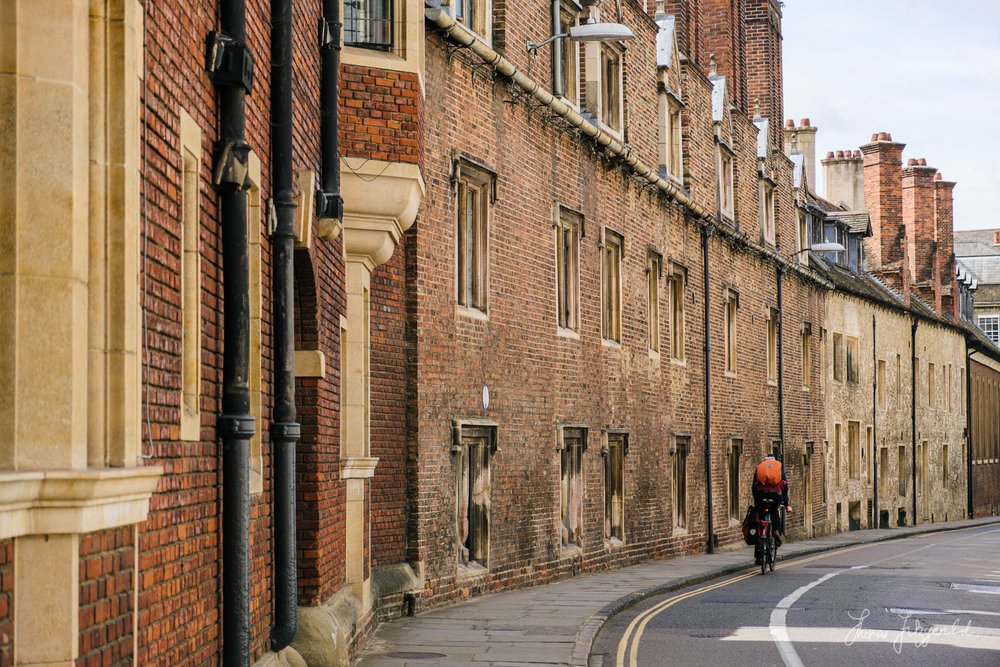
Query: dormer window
{"points": [[853, 251], [670, 136], [767, 227], [474, 15], [566, 58]]}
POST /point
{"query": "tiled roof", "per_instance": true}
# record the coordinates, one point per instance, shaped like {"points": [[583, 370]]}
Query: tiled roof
{"points": [[858, 222], [973, 242], [985, 269]]}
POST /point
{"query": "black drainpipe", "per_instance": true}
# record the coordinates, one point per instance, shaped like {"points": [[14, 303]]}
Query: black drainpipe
{"points": [[968, 427], [781, 370], [875, 515], [329, 203], [284, 429], [230, 65], [913, 413], [705, 233]]}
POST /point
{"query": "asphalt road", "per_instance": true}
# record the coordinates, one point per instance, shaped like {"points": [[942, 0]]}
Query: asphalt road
{"points": [[932, 599]]}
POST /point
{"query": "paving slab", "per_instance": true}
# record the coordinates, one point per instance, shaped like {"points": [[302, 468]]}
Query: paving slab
{"points": [[555, 624]]}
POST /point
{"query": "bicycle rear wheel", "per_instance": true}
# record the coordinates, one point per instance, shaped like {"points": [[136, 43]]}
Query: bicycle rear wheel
{"points": [[772, 554], [768, 541]]}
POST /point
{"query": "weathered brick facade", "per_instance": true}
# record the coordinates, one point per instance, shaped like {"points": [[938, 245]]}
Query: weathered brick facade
{"points": [[6, 603], [107, 595]]}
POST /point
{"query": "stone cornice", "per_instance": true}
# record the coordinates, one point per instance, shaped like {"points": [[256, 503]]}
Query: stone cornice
{"points": [[74, 501]]}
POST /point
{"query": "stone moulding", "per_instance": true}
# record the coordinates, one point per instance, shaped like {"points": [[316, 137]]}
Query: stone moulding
{"points": [[74, 501]]}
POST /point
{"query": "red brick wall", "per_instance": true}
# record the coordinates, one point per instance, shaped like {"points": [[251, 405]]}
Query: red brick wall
{"points": [[764, 63], [379, 114], [6, 603], [921, 233], [883, 199], [538, 378], [724, 36], [388, 410], [107, 567]]}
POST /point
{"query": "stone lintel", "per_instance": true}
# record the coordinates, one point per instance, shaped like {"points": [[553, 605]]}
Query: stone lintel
{"points": [[358, 467], [380, 203]]}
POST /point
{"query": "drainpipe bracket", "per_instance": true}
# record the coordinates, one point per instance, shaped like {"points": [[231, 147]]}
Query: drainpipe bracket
{"points": [[229, 63], [231, 160], [329, 34], [329, 205], [285, 431], [236, 427]]}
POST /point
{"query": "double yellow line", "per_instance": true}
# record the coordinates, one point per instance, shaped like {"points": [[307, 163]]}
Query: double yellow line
{"points": [[633, 633]]}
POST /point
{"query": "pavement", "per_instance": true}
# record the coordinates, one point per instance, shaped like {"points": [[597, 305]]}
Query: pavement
{"points": [[556, 624]]}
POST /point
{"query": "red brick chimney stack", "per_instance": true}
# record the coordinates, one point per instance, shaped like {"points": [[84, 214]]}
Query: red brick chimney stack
{"points": [[724, 36], [687, 24], [944, 220], [886, 249], [921, 230]]}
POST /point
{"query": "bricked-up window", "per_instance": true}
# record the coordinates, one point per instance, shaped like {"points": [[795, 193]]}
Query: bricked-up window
{"points": [[822, 472], [731, 305], [474, 15], [853, 450], [475, 191], [902, 470], [899, 380], [806, 344], [931, 385], [671, 147], [567, 234], [654, 271], [852, 360], [880, 385], [772, 345], [368, 24], [614, 486], [922, 480], [190, 286], [611, 285], [725, 184], [949, 389], [944, 466], [472, 455], [961, 390], [568, 61], [990, 324], [682, 445], [611, 87], [735, 449], [678, 281], [838, 357], [572, 443], [838, 453], [767, 211]]}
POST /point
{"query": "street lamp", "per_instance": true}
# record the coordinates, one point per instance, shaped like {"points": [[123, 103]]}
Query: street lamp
{"points": [[591, 31], [830, 246]]}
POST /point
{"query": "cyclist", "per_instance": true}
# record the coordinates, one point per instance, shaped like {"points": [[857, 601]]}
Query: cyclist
{"points": [[769, 482]]}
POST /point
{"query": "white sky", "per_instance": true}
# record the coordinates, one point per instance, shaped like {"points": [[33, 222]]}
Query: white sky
{"points": [[926, 71]]}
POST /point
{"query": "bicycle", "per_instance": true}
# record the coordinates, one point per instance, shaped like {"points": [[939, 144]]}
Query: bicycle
{"points": [[767, 548]]}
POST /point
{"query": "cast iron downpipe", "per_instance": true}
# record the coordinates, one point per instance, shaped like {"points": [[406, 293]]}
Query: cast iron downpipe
{"points": [[875, 516], [329, 203], [284, 429], [230, 65], [781, 371], [705, 233], [913, 413], [968, 427]]}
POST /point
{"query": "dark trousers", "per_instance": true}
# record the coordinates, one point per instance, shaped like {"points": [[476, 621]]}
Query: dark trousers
{"points": [[777, 518]]}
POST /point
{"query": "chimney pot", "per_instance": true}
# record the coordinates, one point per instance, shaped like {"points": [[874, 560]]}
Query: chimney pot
{"points": [[888, 136], [857, 153], [882, 136], [839, 154], [874, 137], [829, 154], [912, 162], [805, 122], [937, 176], [922, 162], [789, 123]]}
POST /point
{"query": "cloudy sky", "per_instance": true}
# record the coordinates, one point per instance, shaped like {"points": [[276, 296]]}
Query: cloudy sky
{"points": [[927, 71]]}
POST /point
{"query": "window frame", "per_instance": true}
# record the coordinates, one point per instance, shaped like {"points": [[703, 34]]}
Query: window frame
{"points": [[726, 180], [568, 222], [388, 45], [571, 483], [772, 346], [768, 228], [611, 285], [612, 116], [678, 285], [568, 8], [679, 487], [654, 272], [735, 450], [805, 341], [671, 127], [990, 325], [190, 275], [486, 436], [852, 351], [469, 177], [838, 357], [854, 450], [731, 306], [614, 451], [480, 23]]}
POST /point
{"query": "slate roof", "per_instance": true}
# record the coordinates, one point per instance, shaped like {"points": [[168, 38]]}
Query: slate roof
{"points": [[986, 269], [975, 242], [858, 222]]}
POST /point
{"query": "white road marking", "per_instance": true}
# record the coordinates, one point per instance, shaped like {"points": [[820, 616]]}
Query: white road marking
{"points": [[778, 628], [977, 588], [940, 612], [975, 638]]}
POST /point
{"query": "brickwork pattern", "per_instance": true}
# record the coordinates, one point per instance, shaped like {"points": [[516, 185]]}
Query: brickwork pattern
{"points": [[107, 568]]}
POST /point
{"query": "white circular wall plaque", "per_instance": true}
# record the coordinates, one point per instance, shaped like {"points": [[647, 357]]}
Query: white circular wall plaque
{"points": [[486, 397]]}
